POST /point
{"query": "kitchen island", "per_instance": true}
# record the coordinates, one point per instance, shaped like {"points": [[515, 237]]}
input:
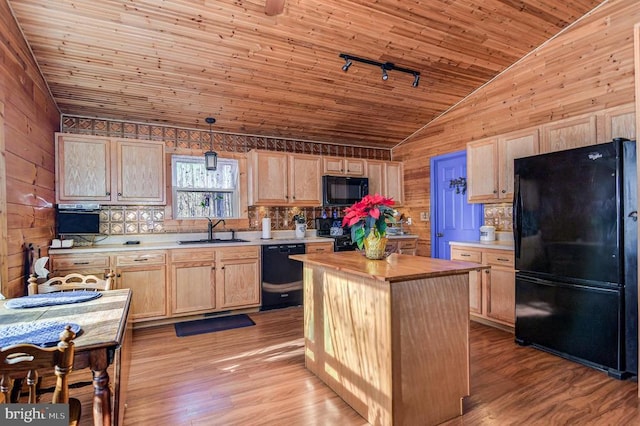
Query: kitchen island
{"points": [[390, 337]]}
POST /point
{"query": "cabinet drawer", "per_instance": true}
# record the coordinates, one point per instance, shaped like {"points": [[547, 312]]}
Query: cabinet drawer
{"points": [[242, 252], [407, 244], [80, 261], [181, 255], [140, 258], [319, 248], [466, 255], [505, 259]]}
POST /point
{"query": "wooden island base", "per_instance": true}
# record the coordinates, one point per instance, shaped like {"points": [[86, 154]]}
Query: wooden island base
{"points": [[390, 337]]}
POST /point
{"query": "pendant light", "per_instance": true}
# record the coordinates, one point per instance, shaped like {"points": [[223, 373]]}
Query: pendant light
{"points": [[210, 157]]}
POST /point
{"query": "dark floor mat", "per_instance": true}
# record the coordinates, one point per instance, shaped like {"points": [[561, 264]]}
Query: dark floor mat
{"points": [[209, 325]]}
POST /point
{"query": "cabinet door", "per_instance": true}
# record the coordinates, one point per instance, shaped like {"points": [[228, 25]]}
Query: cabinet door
{"points": [[355, 167], [475, 292], [140, 172], [568, 134], [512, 146], [377, 177], [83, 168], [305, 185], [269, 178], [148, 290], [501, 299], [395, 182], [482, 171], [332, 166], [238, 283], [407, 246], [193, 287], [619, 122]]}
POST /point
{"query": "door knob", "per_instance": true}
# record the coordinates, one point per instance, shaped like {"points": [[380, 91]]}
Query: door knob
{"points": [[439, 234]]}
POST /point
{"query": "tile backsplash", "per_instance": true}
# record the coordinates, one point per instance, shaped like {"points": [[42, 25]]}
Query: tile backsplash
{"points": [[499, 215]]}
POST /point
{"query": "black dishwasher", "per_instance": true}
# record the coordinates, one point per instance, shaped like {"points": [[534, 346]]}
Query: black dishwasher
{"points": [[281, 276]]}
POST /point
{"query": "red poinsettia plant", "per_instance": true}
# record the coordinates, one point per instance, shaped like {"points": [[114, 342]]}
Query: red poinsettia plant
{"points": [[370, 214]]}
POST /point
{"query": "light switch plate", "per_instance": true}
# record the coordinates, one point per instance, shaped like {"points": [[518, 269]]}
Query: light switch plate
{"points": [[424, 216]]}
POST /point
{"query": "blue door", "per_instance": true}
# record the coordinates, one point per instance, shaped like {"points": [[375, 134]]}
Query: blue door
{"points": [[453, 218]]}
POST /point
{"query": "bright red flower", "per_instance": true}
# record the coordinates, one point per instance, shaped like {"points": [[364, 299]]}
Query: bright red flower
{"points": [[372, 212]]}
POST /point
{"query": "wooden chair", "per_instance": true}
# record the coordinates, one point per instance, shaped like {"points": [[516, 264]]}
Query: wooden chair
{"points": [[26, 361], [70, 282]]}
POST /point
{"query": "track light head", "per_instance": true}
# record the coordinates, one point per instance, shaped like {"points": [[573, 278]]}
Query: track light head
{"points": [[416, 79], [347, 64], [385, 76]]}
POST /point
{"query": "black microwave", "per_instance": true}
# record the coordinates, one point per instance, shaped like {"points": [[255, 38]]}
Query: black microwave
{"points": [[77, 219], [343, 190]]}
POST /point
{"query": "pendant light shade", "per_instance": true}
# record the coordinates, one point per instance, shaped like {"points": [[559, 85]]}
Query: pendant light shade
{"points": [[210, 157]]}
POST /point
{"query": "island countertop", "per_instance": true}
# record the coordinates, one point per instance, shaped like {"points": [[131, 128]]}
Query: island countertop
{"points": [[394, 268]]}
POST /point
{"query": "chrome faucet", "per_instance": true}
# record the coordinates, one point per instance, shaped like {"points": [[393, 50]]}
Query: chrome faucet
{"points": [[213, 225]]}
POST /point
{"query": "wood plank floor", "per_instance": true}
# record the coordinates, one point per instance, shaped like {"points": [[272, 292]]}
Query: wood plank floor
{"points": [[256, 376]]}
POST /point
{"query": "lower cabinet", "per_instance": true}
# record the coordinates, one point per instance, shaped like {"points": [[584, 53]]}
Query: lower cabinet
{"points": [[238, 277], [402, 245], [193, 281], [144, 272], [97, 264], [210, 280], [491, 291], [324, 247]]}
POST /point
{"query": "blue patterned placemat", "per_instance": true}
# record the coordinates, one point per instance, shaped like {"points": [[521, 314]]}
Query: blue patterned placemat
{"points": [[49, 299], [45, 333]]}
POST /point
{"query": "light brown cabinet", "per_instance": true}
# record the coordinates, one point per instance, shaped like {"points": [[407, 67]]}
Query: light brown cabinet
{"points": [[144, 272], [237, 277], [491, 291], [619, 122], [277, 179], [193, 281], [97, 264], [490, 165], [571, 133], [337, 166], [386, 178], [402, 245], [109, 171], [324, 247]]}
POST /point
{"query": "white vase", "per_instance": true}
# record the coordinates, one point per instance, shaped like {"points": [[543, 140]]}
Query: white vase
{"points": [[301, 229]]}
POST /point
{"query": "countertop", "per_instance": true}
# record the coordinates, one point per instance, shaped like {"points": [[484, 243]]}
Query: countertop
{"points": [[394, 268], [496, 245], [170, 241]]}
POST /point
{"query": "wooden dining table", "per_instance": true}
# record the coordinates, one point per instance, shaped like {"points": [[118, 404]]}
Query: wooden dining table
{"points": [[104, 340]]}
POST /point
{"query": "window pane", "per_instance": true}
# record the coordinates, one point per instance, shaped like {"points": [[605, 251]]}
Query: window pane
{"points": [[204, 193]]}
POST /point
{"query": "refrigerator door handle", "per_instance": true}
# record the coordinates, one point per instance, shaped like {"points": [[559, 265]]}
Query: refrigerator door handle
{"points": [[517, 216]]}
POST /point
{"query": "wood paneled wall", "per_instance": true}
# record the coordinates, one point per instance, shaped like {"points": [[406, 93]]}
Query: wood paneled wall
{"points": [[588, 68], [29, 120]]}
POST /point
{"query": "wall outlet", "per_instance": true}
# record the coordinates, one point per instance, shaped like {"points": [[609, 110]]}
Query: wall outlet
{"points": [[409, 221], [424, 216]]}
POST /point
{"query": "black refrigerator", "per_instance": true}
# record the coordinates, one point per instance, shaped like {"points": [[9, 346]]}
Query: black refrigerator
{"points": [[575, 231]]}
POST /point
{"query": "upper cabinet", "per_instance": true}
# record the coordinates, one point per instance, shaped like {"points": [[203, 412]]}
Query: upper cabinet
{"points": [[490, 165], [278, 178], [387, 179], [109, 171], [570, 133], [337, 166], [619, 122]]}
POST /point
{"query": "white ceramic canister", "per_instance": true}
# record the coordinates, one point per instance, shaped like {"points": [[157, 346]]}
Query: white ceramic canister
{"points": [[487, 233], [301, 229]]}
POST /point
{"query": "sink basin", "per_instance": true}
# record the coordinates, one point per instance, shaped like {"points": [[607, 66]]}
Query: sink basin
{"points": [[214, 241]]}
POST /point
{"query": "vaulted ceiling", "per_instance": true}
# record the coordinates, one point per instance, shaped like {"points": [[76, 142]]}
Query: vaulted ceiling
{"points": [[262, 71]]}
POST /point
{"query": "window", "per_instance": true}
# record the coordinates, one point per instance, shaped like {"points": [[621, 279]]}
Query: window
{"points": [[200, 193]]}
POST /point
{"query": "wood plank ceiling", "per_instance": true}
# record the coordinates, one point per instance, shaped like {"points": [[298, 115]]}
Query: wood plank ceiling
{"points": [[179, 61]]}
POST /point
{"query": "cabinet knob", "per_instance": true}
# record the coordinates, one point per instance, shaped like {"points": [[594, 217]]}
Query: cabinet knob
{"points": [[503, 191], [119, 194], [108, 193], [118, 275], [495, 192], [486, 271]]}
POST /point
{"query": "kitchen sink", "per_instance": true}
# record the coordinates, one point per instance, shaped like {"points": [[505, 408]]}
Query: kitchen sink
{"points": [[214, 241]]}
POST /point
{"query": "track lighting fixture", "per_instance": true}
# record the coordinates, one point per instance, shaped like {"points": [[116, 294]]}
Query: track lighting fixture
{"points": [[210, 157], [385, 76], [385, 66]]}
